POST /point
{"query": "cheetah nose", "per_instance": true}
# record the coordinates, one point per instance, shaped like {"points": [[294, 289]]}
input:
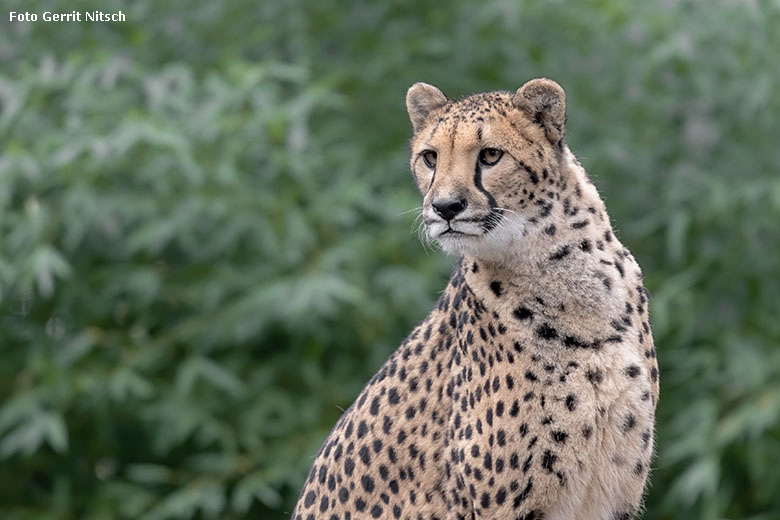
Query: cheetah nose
{"points": [[449, 208]]}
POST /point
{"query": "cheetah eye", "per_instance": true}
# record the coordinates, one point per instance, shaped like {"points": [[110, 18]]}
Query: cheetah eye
{"points": [[490, 156], [429, 157]]}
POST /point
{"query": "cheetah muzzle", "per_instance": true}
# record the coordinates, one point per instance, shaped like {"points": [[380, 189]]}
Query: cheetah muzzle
{"points": [[530, 389]]}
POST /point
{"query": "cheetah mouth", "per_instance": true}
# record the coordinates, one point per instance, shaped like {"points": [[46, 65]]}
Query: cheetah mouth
{"points": [[455, 232], [463, 227]]}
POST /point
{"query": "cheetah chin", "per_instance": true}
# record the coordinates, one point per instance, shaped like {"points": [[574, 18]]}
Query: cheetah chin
{"points": [[529, 391], [491, 246]]}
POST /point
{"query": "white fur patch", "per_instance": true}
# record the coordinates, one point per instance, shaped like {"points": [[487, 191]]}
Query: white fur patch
{"points": [[497, 245]]}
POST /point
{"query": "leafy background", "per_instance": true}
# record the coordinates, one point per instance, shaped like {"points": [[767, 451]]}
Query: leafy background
{"points": [[204, 251]]}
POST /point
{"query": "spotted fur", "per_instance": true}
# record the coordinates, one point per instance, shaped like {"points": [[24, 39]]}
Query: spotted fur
{"points": [[529, 391]]}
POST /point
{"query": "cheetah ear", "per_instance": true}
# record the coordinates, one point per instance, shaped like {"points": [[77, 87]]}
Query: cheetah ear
{"points": [[544, 101], [421, 100]]}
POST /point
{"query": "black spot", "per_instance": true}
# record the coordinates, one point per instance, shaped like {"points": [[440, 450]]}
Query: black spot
{"points": [[629, 422], [349, 466], [391, 454], [521, 497], [362, 429], [632, 371], [545, 331], [501, 496], [323, 504], [586, 246], [343, 495], [360, 504], [550, 230], [387, 425], [309, 500], [581, 224], [548, 460], [374, 406], [532, 174], [559, 436], [367, 483], [571, 402], [594, 376], [496, 288], [364, 455], [531, 376], [392, 396], [546, 207], [654, 373], [522, 313], [562, 252], [413, 451]]}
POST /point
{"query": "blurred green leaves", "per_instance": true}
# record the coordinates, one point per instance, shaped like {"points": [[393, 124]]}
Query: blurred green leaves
{"points": [[206, 246]]}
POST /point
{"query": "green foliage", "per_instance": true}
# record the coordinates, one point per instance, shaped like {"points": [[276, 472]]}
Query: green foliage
{"points": [[204, 252]]}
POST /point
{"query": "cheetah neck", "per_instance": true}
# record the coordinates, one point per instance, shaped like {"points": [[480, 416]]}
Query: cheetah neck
{"points": [[568, 265]]}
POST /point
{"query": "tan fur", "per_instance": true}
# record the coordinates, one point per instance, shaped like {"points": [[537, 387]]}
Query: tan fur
{"points": [[529, 391]]}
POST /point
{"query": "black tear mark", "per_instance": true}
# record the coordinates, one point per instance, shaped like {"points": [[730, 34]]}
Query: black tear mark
{"points": [[490, 223]]}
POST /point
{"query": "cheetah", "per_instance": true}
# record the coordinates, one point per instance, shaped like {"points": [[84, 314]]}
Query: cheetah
{"points": [[529, 391]]}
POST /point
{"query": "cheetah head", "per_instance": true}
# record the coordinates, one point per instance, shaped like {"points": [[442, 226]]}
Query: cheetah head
{"points": [[485, 164]]}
